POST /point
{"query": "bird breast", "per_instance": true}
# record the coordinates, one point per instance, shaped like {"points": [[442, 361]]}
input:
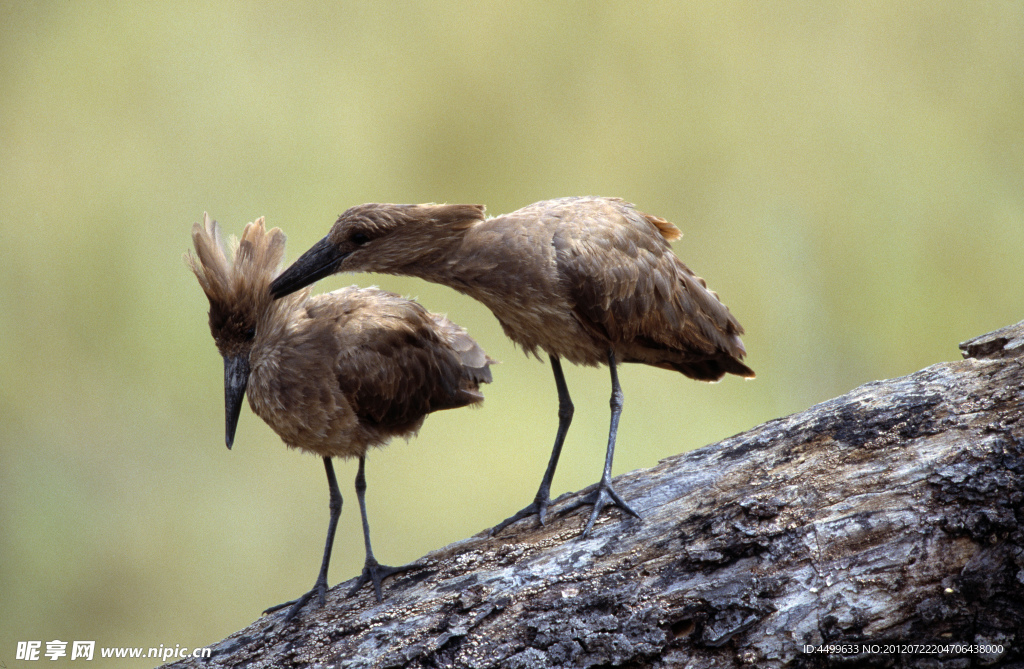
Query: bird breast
{"points": [[293, 385], [302, 405]]}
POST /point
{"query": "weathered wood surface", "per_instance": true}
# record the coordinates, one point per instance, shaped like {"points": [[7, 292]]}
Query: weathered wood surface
{"points": [[891, 514]]}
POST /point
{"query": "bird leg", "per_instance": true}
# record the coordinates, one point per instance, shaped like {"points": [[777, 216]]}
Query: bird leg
{"points": [[320, 587], [605, 493], [372, 570], [542, 501]]}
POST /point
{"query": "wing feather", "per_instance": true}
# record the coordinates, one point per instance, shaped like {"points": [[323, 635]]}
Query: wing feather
{"points": [[627, 286], [396, 361]]}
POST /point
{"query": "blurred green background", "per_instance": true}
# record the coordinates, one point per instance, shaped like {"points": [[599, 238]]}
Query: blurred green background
{"points": [[848, 177]]}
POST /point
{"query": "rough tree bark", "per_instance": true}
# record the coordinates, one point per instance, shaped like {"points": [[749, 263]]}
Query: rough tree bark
{"points": [[886, 523]]}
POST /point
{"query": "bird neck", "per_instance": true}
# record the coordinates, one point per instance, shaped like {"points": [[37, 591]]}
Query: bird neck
{"points": [[429, 253], [276, 316]]}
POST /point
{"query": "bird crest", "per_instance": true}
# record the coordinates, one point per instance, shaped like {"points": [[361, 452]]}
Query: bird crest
{"points": [[238, 289]]}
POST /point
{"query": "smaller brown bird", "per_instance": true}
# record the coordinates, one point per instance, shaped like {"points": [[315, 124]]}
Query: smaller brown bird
{"points": [[332, 374], [589, 279]]}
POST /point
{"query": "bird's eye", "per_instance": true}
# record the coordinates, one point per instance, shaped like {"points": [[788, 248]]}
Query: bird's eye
{"points": [[359, 238], [250, 334]]}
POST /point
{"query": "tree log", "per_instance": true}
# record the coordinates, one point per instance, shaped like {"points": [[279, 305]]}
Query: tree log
{"points": [[880, 528]]}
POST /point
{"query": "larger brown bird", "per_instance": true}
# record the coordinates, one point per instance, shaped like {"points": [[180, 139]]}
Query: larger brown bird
{"points": [[332, 374], [588, 279]]}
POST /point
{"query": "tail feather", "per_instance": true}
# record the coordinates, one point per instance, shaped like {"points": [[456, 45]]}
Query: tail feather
{"points": [[713, 369], [475, 360]]}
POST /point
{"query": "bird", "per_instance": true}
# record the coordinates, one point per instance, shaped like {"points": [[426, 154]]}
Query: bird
{"points": [[592, 280], [332, 374]]}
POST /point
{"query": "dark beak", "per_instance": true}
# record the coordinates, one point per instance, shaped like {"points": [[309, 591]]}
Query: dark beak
{"points": [[321, 260], [236, 378]]}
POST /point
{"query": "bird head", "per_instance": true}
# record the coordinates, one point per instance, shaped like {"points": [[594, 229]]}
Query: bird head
{"points": [[388, 238], [238, 291]]}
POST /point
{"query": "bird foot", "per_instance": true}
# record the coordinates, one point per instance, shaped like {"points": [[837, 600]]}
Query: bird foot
{"points": [[375, 572], [539, 508], [602, 496], [319, 589]]}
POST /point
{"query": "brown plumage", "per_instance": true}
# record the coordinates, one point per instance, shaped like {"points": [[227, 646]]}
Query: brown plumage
{"points": [[589, 279], [332, 374]]}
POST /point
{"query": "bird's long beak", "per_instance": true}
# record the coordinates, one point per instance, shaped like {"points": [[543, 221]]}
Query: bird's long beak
{"points": [[236, 378], [322, 259]]}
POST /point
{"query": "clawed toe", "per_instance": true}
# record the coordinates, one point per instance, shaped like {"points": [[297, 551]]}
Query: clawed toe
{"points": [[538, 508], [374, 572], [604, 495], [319, 589]]}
